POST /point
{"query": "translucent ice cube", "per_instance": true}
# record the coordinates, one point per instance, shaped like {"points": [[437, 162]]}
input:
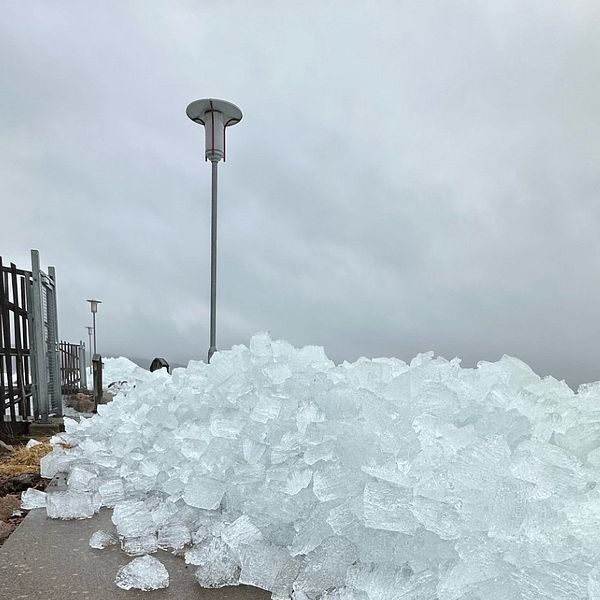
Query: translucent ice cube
{"points": [[70, 505], [174, 537], [103, 539], [326, 566], [217, 565], [132, 518], [81, 479], [241, 532], [268, 567], [297, 480], [140, 545], [54, 462], [111, 492], [333, 482], [32, 498], [143, 573], [343, 593], [204, 492], [594, 583], [388, 507]]}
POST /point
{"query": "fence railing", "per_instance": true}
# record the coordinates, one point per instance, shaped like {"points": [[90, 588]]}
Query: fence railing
{"points": [[36, 369], [16, 369], [72, 367], [30, 365]]}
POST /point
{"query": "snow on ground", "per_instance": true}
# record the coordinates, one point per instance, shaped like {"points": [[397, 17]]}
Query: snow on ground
{"points": [[119, 373], [373, 480]]}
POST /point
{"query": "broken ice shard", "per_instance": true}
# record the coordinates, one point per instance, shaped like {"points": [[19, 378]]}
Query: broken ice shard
{"points": [[217, 565], [140, 545], [70, 505], [111, 492], [132, 519], [174, 537], [204, 492], [144, 573], [269, 567], [32, 498], [241, 532], [103, 539]]}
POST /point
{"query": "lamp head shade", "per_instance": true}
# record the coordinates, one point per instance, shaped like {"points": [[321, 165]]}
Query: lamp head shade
{"points": [[94, 305], [216, 116]]}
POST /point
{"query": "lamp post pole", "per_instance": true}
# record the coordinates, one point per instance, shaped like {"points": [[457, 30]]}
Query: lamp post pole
{"points": [[94, 324], [216, 116], [90, 330], [213, 264]]}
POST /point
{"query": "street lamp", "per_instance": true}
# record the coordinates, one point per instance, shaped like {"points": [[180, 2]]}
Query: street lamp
{"points": [[90, 330], [216, 116], [94, 309]]}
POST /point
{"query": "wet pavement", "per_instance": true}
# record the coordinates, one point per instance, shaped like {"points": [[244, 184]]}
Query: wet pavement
{"points": [[51, 559]]}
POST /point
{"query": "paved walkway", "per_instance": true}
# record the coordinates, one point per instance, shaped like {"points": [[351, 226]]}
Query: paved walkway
{"points": [[51, 559]]}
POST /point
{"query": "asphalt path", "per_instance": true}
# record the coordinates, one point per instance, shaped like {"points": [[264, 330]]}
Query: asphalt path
{"points": [[51, 559]]}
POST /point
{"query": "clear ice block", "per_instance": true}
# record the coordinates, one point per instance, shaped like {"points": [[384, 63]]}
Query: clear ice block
{"points": [[70, 505], [103, 539], [204, 492], [32, 498], [144, 573], [140, 545]]}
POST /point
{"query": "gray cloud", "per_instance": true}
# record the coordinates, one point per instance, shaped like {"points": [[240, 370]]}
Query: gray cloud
{"points": [[407, 176]]}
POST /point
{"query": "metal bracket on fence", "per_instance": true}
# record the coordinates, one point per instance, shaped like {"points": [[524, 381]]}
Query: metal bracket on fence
{"points": [[97, 379]]}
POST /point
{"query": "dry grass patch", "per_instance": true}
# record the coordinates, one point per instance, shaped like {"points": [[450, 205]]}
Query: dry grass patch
{"points": [[24, 460]]}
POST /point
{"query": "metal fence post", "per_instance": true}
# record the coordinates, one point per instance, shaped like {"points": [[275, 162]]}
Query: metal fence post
{"points": [[38, 343], [97, 375], [82, 369], [53, 357]]}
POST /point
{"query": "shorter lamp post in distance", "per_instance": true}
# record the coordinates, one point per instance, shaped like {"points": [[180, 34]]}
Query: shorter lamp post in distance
{"points": [[94, 309]]}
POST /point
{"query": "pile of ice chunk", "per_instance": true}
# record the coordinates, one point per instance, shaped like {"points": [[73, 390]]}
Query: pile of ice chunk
{"points": [[374, 480]]}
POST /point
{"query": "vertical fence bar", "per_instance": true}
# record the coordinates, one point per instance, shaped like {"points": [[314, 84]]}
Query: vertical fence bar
{"points": [[23, 409], [63, 374], [26, 346], [53, 357], [32, 353], [7, 344], [3, 385], [97, 375], [82, 371]]}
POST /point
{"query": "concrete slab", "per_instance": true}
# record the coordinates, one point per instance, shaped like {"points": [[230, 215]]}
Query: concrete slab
{"points": [[51, 559]]}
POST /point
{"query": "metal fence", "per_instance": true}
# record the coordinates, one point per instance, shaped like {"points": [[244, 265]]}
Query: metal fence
{"points": [[72, 367], [30, 381], [16, 370]]}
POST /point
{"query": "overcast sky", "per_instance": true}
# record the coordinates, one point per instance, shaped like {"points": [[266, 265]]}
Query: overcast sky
{"points": [[408, 176]]}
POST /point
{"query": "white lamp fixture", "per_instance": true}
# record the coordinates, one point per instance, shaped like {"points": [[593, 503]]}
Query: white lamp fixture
{"points": [[216, 116], [94, 309]]}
